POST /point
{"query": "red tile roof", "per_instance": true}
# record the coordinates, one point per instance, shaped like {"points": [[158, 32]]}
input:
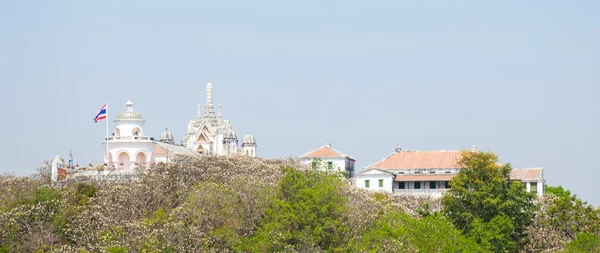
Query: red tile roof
{"points": [[423, 177], [526, 174], [325, 151], [160, 150], [419, 160]]}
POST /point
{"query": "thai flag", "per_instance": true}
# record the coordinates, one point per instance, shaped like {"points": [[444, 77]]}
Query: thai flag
{"points": [[101, 115]]}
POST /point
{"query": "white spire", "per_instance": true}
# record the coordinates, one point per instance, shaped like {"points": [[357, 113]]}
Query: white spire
{"points": [[210, 108], [199, 114], [220, 111]]}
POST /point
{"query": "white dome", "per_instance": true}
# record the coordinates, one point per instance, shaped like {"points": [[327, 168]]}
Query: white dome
{"points": [[230, 135], [166, 136], [129, 113], [248, 139]]}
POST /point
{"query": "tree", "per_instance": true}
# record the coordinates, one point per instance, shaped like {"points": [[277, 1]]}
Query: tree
{"points": [[557, 191], [398, 232], [585, 242], [559, 219], [309, 213], [485, 204]]}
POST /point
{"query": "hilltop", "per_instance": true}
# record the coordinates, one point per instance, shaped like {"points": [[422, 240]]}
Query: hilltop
{"points": [[235, 204]]}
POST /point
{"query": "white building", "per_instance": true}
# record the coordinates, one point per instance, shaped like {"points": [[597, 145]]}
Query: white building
{"points": [[129, 147], [326, 157], [211, 134], [427, 173]]}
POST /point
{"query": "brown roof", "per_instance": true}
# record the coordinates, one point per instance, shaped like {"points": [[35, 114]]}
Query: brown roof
{"points": [[423, 177], [526, 174], [325, 151], [419, 160], [160, 150]]}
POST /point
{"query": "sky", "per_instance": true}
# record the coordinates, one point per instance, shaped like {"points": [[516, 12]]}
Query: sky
{"points": [[517, 78]]}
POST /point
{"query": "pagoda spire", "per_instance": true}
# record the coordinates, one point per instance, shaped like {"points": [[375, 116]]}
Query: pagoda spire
{"points": [[199, 113], [210, 108]]}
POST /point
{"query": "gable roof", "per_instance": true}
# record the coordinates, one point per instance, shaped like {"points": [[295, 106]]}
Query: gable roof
{"points": [[325, 151], [368, 170], [440, 159], [526, 174], [177, 149]]}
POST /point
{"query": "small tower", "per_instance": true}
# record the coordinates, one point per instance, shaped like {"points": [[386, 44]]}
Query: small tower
{"points": [[199, 113], [249, 145], [167, 137], [230, 142]]}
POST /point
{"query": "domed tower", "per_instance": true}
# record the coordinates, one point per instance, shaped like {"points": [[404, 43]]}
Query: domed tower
{"points": [[167, 137], [128, 146], [129, 122], [249, 145], [230, 142]]}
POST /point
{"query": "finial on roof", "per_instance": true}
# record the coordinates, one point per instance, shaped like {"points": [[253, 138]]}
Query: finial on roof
{"points": [[129, 105], [328, 144], [199, 113], [474, 148]]}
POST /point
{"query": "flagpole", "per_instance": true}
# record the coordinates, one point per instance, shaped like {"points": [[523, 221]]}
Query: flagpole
{"points": [[107, 154]]}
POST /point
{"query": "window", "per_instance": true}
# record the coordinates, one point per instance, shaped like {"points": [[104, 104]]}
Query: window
{"points": [[432, 172], [401, 172], [533, 187], [447, 172], [380, 183], [417, 185], [446, 185], [432, 185], [401, 185], [366, 183], [417, 172], [330, 165]]}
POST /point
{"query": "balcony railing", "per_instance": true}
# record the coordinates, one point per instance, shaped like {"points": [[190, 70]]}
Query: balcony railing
{"points": [[421, 191], [129, 138]]}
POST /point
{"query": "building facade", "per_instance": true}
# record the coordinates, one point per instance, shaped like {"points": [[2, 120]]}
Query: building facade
{"points": [[130, 147], [211, 134], [428, 173], [326, 157]]}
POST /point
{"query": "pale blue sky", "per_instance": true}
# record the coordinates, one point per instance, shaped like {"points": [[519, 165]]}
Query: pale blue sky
{"points": [[520, 78]]}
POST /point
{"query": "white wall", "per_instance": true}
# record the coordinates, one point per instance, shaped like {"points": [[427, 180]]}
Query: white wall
{"points": [[540, 187], [388, 181], [126, 128], [131, 148], [337, 162]]}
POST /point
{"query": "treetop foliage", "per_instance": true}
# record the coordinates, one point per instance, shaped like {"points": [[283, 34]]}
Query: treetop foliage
{"points": [[242, 204]]}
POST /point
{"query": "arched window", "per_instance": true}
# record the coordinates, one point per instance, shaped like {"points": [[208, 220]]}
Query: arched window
{"points": [[124, 160]]}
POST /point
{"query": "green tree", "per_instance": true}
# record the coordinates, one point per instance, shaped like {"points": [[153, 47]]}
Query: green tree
{"points": [[398, 232], [483, 202], [571, 215], [584, 242], [557, 191], [308, 214]]}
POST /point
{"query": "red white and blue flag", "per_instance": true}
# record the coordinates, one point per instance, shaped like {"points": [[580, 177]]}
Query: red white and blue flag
{"points": [[101, 115]]}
